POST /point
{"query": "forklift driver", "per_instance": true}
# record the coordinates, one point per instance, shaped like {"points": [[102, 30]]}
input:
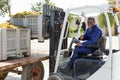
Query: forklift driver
{"points": [[92, 34]]}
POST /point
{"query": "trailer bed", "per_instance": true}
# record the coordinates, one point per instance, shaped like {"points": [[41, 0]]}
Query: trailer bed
{"points": [[10, 64]]}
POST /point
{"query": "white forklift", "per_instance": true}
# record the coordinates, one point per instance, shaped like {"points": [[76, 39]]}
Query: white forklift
{"points": [[89, 67]]}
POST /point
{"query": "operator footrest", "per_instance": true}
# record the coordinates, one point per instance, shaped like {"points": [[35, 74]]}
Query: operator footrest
{"points": [[84, 68], [93, 57]]}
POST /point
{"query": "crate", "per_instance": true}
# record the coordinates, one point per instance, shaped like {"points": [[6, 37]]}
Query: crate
{"points": [[15, 43], [18, 21], [31, 22], [9, 43], [34, 22], [24, 45]]}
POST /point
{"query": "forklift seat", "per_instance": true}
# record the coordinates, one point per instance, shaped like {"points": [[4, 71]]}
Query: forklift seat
{"points": [[100, 48], [101, 43]]}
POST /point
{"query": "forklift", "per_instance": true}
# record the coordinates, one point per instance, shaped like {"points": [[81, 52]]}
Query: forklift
{"points": [[87, 67]]}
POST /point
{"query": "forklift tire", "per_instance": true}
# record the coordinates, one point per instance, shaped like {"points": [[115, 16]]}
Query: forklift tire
{"points": [[55, 77], [3, 76], [33, 71]]}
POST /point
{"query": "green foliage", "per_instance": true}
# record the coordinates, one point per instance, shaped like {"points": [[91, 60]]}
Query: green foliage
{"points": [[70, 17], [119, 16], [71, 30], [49, 3], [111, 2], [74, 31], [112, 19], [36, 7], [4, 7], [102, 20]]}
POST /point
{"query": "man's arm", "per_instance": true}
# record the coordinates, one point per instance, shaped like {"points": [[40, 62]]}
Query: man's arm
{"points": [[97, 34]]}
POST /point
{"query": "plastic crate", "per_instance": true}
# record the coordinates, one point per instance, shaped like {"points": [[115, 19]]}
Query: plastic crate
{"points": [[15, 43], [18, 21], [34, 22], [24, 45], [9, 43]]}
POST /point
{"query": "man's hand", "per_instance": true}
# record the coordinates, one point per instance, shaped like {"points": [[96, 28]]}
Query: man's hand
{"points": [[79, 44], [81, 37]]}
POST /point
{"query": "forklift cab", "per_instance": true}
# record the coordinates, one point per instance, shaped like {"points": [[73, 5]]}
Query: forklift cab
{"points": [[89, 67]]}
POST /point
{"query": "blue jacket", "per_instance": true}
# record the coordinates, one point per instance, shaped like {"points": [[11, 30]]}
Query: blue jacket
{"points": [[92, 35]]}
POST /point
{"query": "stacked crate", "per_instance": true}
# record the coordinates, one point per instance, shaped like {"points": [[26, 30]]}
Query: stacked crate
{"points": [[18, 21], [34, 22], [14, 43], [9, 43], [24, 45]]}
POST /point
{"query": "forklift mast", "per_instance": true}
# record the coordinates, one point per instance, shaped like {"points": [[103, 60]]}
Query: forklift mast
{"points": [[56, 21], [46, 21], [52, 20]]}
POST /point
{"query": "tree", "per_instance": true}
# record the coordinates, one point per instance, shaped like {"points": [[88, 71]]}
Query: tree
{"points": [[4, 7], [49, 3], [111, 2], [102, 19], [103, 24], [37, 7], [118, 16]]}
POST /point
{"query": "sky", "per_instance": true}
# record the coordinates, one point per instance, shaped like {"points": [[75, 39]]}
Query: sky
{"points": [[25, 5]]}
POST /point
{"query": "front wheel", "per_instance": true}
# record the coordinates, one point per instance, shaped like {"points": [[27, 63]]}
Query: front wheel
{"points": [[33, 71], [55, 77]]}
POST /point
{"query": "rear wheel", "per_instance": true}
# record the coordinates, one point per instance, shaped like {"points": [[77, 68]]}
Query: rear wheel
{"points": [[33, 71]]}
